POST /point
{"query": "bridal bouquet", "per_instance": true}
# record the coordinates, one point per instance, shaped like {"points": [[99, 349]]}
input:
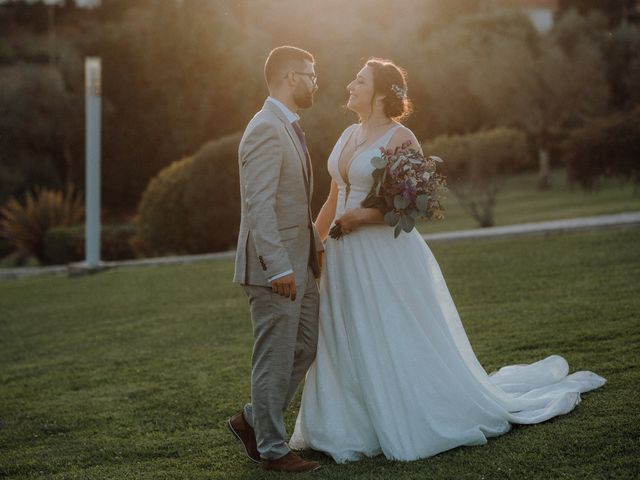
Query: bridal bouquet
{"points": [[406, 187]]}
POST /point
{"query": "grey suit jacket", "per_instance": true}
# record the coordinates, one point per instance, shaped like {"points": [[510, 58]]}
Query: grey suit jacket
{"points": [[276, 229]]}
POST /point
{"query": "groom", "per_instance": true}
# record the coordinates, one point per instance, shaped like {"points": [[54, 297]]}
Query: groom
{"points": [[277, 258]]}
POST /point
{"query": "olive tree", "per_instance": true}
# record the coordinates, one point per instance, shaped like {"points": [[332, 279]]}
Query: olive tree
{"points": [[477, 165], [500, 69]]}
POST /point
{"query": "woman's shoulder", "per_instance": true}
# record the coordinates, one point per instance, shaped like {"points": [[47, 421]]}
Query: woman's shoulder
{"points": [[403, 135]]}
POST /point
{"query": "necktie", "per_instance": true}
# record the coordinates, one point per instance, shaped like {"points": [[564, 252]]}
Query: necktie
{"points": [[300, 133], [313, 256]]}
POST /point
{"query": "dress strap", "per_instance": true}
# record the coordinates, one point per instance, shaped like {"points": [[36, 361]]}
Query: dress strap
{"points": [[384, 140], [348, 132]]}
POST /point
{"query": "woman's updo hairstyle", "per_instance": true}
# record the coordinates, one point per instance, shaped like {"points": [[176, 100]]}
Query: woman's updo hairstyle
{"points": [[391, 81]]}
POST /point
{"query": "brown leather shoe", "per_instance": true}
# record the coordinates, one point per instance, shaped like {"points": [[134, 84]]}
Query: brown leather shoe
{"points": [[291, 462], [247, 436]]}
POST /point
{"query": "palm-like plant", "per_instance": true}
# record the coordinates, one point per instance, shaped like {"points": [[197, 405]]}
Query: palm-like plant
{"points": [[25, 225]]}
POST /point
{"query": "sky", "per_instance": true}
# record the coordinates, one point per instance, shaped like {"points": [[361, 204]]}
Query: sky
{"points": [[81, 3]]}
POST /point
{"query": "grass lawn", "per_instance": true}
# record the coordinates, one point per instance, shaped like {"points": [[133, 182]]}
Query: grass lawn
{"points": [[520, 201], [130, 374]]}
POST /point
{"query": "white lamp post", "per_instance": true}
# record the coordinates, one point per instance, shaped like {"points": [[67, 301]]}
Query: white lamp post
{"points": [[92, 148]]}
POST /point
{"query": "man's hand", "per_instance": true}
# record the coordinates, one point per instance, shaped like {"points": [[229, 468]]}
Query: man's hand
{"points": [[285, 286]]}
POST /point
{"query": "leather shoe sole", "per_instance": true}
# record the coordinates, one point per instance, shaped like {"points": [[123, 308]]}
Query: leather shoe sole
{"points": [[235, 434], [290, 463]]}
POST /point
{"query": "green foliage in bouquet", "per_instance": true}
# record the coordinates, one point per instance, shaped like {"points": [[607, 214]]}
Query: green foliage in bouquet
{"points": [[419, 197]]}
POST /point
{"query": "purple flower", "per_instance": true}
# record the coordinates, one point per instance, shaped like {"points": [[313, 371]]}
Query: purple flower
{"points": [[408, 192]]}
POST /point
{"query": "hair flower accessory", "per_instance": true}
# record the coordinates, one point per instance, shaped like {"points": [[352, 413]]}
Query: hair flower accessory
{"points": [[400, 92]]}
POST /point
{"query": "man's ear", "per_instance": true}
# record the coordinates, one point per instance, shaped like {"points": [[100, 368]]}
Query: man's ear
{"points": [[290, 78]]}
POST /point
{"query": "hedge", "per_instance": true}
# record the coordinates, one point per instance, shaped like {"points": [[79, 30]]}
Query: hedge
{"points": [[193, 205]]}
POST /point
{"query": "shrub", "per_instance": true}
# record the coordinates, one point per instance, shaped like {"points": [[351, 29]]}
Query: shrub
{"points": [[193, 205], [67, 244], [476, 165], [162, 210], [64, 244], [25, 225], [19, 259], [605, 147]]}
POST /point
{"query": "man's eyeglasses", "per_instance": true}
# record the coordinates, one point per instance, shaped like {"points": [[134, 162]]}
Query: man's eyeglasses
{"points": [[312, 76]]}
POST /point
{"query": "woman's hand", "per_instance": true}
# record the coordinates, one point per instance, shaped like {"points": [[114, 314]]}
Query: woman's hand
{"points": [[350, 220]]}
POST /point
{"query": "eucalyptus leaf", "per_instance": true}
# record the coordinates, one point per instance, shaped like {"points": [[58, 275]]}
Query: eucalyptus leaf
{"points": [[414, 213], [435, 158], [399, 202], [407, 223], [391, 218], [378, 162], [397, 231], [422, 202]]}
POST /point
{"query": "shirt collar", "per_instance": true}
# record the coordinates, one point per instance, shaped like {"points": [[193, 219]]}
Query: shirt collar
{"points": [[291, 117]]}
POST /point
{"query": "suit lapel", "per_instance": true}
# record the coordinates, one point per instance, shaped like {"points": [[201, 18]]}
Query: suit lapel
{"points": [[292, 134], [301, 154]]}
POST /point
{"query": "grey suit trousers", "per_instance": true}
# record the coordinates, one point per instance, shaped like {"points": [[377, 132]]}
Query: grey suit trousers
{"points": [[285, 340]]}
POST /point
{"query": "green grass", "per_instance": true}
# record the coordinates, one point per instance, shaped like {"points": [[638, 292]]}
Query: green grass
{"points": [[131, 373], [520, 201]]}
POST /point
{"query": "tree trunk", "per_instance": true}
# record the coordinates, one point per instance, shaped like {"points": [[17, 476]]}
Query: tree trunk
{"points": [[52, 35], [544, 165], [479, 206], [544, 173]]}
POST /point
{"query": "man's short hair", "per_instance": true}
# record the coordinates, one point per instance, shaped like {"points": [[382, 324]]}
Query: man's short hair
{"points": [[282, 59]]}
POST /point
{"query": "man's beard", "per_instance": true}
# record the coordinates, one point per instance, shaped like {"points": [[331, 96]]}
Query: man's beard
{"points": [[303, 97]]}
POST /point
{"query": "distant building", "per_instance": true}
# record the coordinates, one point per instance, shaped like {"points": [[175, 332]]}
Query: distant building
{"points": [[543, 12], [540, 12]]}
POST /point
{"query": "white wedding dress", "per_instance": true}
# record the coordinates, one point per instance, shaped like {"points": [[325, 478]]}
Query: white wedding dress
{"points": [[394, 372]]}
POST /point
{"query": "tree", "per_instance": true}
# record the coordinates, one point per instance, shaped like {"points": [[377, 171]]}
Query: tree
{"points": [[518, 78], [605, 147], [33, 104], [185, 84], [622, 51], [476, 166], [616, 11], [451, 58]]}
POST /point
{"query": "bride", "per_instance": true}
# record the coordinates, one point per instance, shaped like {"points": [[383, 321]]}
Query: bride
{"points": [[394, 372]]}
